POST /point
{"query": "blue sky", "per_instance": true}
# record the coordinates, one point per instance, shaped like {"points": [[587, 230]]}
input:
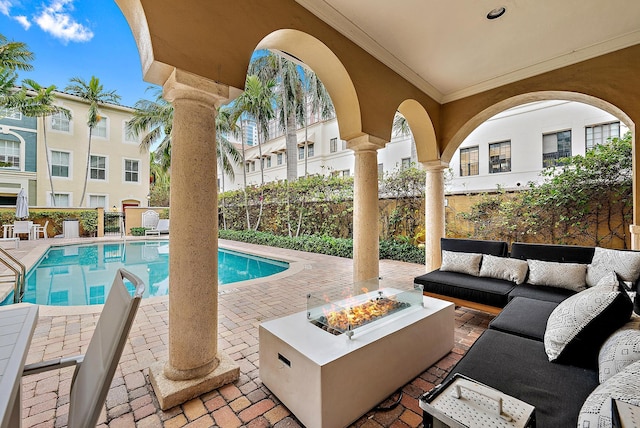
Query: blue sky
{"points": [[76, 38]]}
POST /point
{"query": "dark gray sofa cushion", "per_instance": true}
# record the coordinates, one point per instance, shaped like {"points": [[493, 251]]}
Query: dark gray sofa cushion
{"points": [[524, 317], [519, 367], [541, 292], [487, 291], [552, 253], [494, 248]]}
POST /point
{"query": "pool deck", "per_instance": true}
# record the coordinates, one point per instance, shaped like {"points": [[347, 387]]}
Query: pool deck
{"points": [[131, 402]]}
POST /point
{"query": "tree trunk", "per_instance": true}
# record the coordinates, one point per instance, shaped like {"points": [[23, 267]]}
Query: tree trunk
{"points": [[244, 177], [86, 173], [46, 154], [261, 180]]}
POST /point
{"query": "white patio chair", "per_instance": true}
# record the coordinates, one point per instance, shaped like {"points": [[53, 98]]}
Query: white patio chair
{"points": [[150, 222], [163, 225], [41, 230], [94, 370], [22, 227]]}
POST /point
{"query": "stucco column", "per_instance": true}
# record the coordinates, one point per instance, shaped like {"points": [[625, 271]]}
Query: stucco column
{"points": [[365, 207], [193, 242], [635, 227], [434, 215]]}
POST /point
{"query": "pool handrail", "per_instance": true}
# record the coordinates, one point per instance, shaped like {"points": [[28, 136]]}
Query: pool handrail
{"points": [[19, 270]]}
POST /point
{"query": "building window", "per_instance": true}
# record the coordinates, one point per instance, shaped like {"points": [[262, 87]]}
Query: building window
{"points": [[9, 154], [253, 166], [269, 162], [469, 161], [279, 157], [310, 150], [59, 122], [100, 130], [344, 145], [500, 157], [62, 199], [97, 201], [599, 134], [405, 163], [131, 171], [98, 167], [10, 113], [300, 152], [333, 145], [246, 166], [60, 164], [380, 171], [345, 173], [128, 135], [555, 146]]}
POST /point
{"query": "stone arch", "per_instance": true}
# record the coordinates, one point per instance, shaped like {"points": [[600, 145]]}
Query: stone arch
{"points": [[517, 100], [329, 69], [424, 134]]}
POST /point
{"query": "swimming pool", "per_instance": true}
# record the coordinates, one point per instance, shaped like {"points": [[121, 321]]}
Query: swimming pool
{"points": [[82, 274]]}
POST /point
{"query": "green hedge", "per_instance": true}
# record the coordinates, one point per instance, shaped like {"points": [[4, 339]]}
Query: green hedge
{"points": [[341, 247]]}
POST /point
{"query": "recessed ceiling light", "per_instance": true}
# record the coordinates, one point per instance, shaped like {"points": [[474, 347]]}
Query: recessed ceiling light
{"points": [[496, 13]]}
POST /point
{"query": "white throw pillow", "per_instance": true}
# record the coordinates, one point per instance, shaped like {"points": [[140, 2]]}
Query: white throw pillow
{"points": [[504, 268], [625, 263], [562, 275], [579, 325], [624, 386], [621, 349], [453, 261]]}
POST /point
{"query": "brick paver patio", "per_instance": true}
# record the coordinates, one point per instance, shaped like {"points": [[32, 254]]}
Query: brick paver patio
{"points": [[131, 401]]}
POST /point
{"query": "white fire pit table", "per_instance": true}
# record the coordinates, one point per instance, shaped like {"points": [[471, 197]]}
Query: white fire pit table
{"points": [[329, 380]]}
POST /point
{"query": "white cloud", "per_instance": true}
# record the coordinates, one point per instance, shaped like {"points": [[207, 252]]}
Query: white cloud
{"points": [[56, 20], [5, 5], [23, 21]]}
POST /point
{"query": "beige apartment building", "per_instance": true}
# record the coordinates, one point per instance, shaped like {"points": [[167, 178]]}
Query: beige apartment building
{"points": [[118, 174]]}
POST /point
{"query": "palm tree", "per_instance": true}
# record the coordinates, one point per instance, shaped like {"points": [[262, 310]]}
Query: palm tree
{"points": [[285, 72], [257, 102], [154, 119], [13, 56], [35, 100], [92, 92], [227, 154], [317, 98], [401, 127]]}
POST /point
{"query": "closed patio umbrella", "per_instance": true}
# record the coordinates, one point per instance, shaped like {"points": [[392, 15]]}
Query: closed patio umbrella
{"points": [[22, 205]]}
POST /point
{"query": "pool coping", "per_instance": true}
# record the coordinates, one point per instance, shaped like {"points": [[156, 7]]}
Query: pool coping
{"points": [[33, 255]]}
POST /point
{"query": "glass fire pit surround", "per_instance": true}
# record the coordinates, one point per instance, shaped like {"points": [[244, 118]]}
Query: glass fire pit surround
{"points": [[353, 313]]}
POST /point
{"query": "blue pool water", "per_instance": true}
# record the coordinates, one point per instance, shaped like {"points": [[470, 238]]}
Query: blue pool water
{"points": [[82, 274]]}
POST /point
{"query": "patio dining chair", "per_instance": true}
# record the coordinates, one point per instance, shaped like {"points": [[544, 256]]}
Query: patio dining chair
{"points": [[41, 230], [94, 370], [22, 227]]}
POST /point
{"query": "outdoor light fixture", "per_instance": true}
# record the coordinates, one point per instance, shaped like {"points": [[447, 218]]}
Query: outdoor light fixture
{"points": [[496, 13], [148, 198]]}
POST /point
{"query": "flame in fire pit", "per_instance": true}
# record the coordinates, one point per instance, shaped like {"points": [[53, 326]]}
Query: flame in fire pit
{"points": [[338, 321]]}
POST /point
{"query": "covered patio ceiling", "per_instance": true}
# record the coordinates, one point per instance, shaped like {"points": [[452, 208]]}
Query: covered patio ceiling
{"points": [[450, 50]]}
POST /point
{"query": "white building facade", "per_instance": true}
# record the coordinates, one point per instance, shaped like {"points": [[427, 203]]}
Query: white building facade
{"points": [[507, 151]]}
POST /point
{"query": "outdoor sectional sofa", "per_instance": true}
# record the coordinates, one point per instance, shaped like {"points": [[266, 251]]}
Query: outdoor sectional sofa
{"points": [[566, 352]]}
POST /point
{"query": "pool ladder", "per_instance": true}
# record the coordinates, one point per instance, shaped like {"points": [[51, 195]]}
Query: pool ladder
{"points": [[17, 277]]}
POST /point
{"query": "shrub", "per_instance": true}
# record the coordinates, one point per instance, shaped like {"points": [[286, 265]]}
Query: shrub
{"points": [[322, 244], [138, 231]]}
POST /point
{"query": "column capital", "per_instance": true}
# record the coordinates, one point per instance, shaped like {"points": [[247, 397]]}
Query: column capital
{"points": [[366, 142], [435, 165], [184, 85]]}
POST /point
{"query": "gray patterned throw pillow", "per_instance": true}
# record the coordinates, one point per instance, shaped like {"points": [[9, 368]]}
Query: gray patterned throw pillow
{"points": [[561, 275], [621, 349], [514, 270], [625, 263], [579, 325], [453, 261], [624, 386]]}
